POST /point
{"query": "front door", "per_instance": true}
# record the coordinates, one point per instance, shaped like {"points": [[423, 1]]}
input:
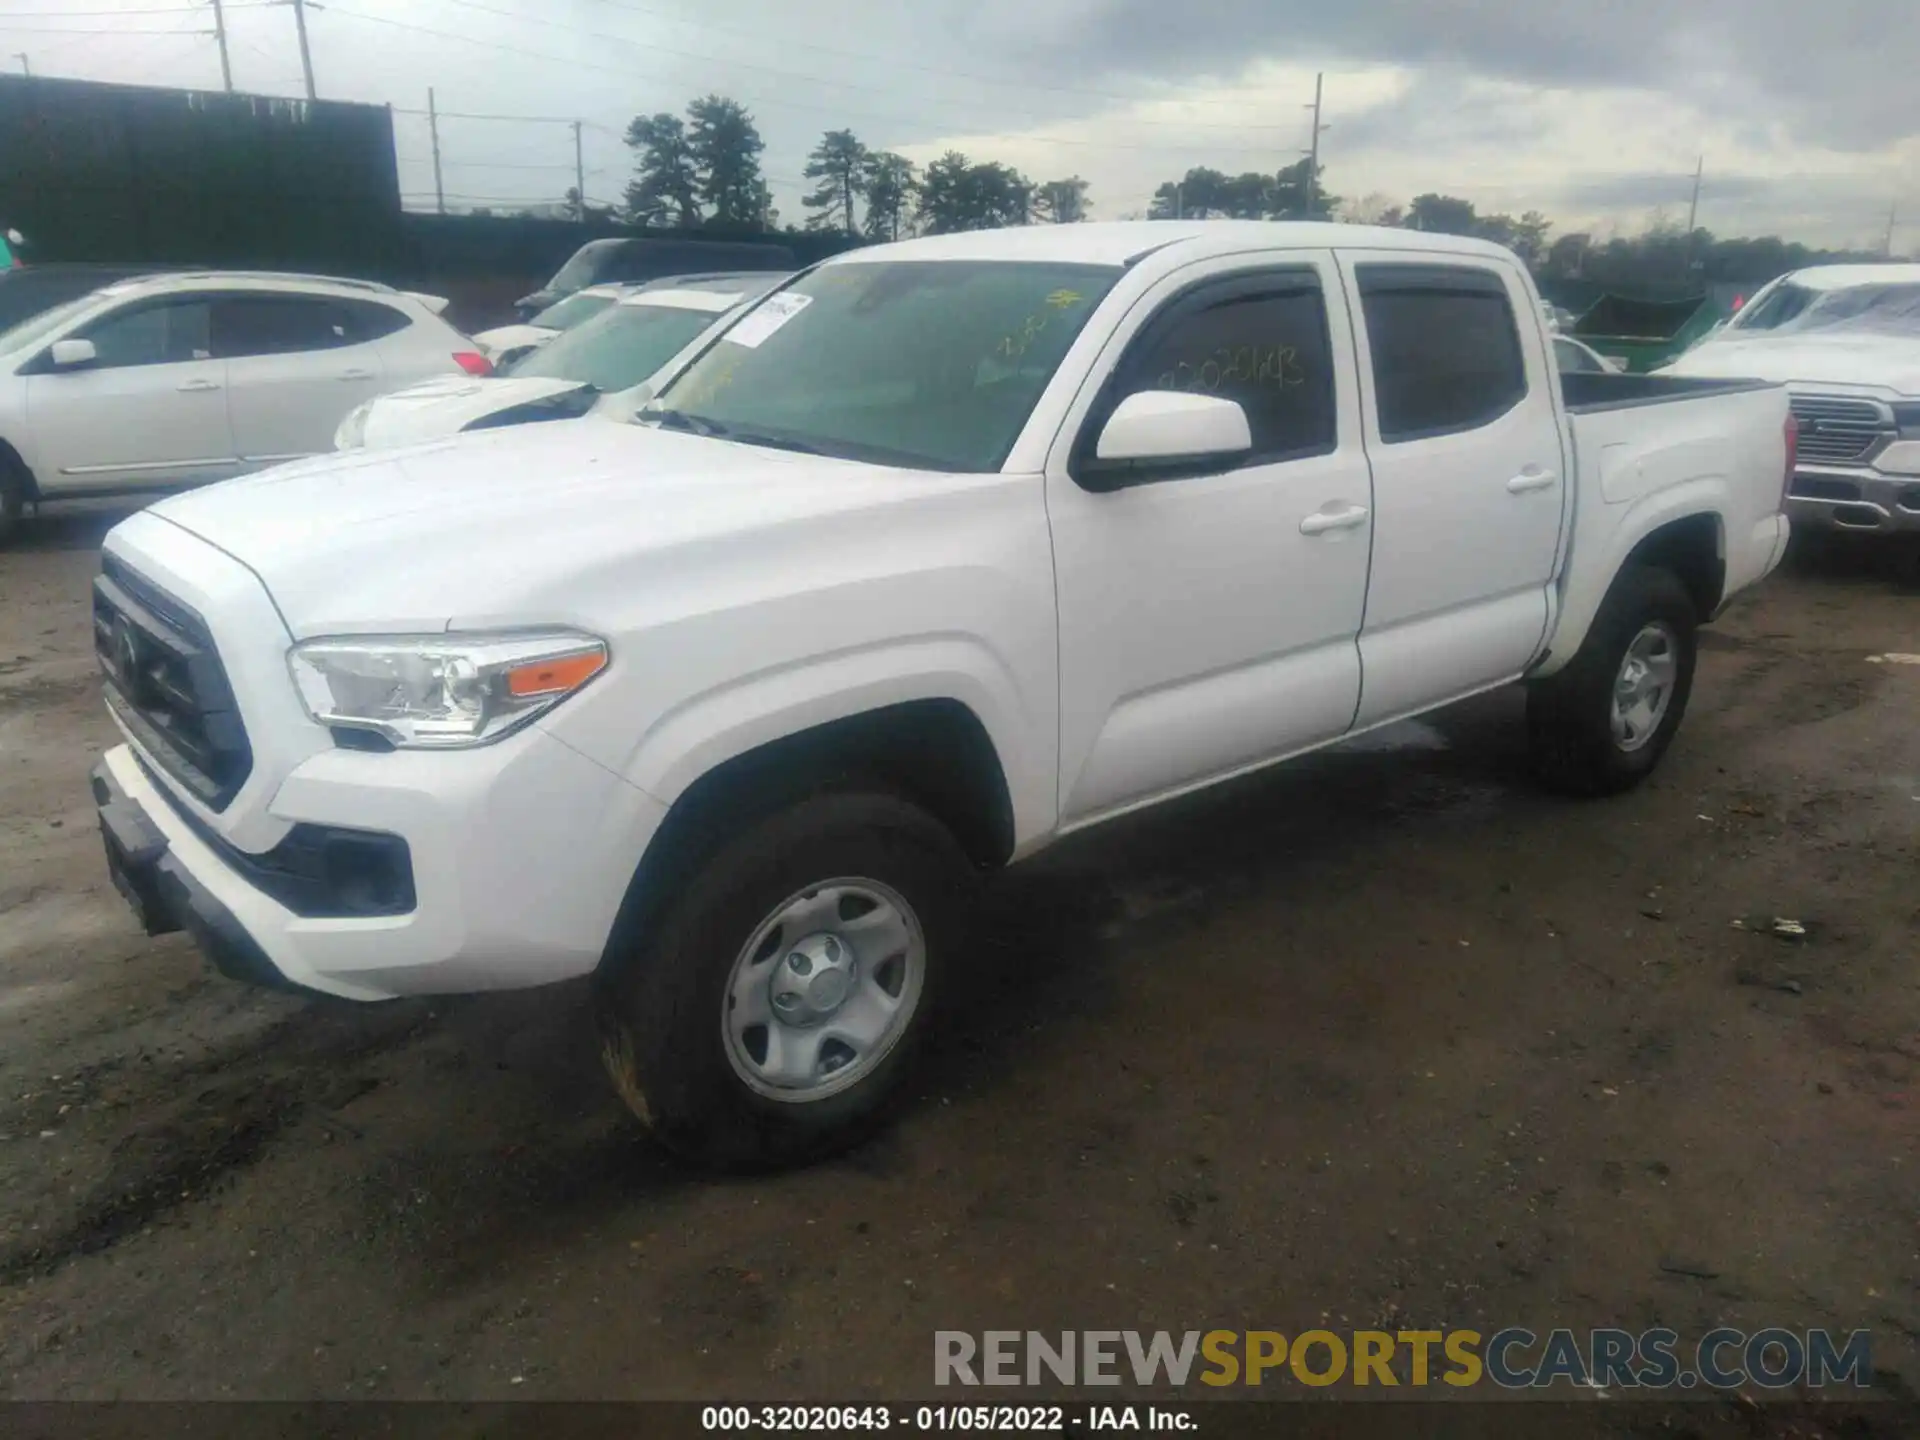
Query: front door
{"points": [[1208, 621], [151, 409], [1469, 476]]}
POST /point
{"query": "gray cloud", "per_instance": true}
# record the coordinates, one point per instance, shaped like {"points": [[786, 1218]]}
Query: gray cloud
{"points": [[1838, 69]]}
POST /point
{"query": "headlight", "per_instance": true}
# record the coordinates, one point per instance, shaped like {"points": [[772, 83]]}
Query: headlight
{"points": [[1906, 415], [440, 692], [352, 433]]}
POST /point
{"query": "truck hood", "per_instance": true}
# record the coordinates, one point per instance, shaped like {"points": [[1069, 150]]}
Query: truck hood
{"points": [[509, 527], [1886, 364], [447, 405]]}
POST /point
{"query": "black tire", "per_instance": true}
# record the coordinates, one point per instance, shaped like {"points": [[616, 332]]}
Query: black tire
{"points": [[13, 499], [663, 1007], [1569, 715]]}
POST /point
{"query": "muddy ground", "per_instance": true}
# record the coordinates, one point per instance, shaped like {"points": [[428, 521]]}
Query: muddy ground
{"points": [[1384, 1039]]}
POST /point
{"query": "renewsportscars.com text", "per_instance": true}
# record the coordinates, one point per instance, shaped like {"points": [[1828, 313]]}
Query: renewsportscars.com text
{"points": [[1514, 1358]]}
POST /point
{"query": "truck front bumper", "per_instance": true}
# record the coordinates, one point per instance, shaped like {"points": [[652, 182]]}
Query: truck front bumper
{"points": [[1863, 500], [519, 856]]}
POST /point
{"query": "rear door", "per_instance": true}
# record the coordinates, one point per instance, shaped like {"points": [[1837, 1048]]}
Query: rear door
{"points": [[150, 410], [1468, 476], [296, 364], [1208, 619]]}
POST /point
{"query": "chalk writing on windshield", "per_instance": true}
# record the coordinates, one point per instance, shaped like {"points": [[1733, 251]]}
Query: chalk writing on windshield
{"points": [[1021, 338]]}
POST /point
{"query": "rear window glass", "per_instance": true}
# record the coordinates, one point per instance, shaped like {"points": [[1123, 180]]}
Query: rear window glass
{"points": [[1446, 348]]}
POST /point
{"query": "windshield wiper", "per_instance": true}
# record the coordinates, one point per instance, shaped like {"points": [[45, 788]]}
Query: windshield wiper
{"points": [[773, 442], [715, 430], [681, 420]]}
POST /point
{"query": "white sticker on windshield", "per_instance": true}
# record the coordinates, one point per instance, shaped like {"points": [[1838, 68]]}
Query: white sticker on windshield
{"points": [[766, 317]]}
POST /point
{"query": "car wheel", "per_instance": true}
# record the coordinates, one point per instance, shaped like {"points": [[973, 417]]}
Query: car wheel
{"points": [[13, 499], [1600, 726], [783, 998]]}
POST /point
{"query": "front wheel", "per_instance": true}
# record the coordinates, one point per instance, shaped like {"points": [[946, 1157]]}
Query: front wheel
{"points": [[1600, 726], [781, 1002]]}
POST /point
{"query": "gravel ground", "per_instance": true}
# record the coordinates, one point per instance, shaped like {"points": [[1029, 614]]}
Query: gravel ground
{"points": [[1385, 1039]]}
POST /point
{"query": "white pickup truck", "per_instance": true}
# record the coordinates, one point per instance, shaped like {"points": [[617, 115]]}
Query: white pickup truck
{"points": [[947, 549], [1845, 341]]}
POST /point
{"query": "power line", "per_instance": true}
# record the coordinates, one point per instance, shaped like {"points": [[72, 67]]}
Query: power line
{"points": [[522, 119], [64, 14], [95, 30], [627, 73]]}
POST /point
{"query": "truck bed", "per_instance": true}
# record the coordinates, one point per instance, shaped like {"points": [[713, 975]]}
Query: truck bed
{"points": [[1588, 393]]}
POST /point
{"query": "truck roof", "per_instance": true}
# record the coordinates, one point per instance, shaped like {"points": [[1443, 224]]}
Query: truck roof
{"points": [[1119, 242], [1844, 277]]}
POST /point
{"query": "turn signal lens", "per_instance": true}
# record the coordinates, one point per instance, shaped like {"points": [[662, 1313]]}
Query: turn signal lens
{"points": [[554, 677]]}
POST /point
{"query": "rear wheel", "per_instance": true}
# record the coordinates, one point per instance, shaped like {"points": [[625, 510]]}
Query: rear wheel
{"points": [[1601, 725], [780, 1003]]}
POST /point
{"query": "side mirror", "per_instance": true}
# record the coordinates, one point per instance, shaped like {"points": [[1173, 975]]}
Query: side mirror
{"points": [[67, 354], [1156, 430]]}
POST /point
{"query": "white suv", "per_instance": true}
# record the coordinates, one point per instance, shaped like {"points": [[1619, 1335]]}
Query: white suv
{"points": [[174, 380]]}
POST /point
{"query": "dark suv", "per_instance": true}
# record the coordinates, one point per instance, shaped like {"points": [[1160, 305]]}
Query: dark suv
{"points": [[626, 262]]}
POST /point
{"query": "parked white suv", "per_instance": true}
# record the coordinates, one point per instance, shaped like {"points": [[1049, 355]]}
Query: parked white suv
{"points": [[944, 550], [179, 379]]}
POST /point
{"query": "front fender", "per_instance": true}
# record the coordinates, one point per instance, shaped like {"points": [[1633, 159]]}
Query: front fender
{"points": [[706, 730]]}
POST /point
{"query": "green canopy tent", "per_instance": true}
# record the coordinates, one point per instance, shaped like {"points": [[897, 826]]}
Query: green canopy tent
{"points": [[1644, 333]]}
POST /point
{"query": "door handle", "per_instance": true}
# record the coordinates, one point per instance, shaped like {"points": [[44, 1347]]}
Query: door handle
{"points": [[355, 375], [189, 386], [1323, 521], [1531, 478]]}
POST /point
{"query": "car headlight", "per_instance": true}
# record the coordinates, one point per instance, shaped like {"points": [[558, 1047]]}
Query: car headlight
{"points": [[352, 432], [441, 692]]}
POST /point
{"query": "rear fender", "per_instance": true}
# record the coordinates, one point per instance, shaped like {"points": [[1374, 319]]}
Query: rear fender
{"points": [[1590, 573]]}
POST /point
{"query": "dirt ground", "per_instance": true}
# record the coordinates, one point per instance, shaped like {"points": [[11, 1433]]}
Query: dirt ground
{"points": [[1385, 1038]]}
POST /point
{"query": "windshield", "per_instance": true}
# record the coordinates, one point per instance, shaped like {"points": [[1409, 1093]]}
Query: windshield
{"points": [[35, 327], [1799, 309], [572, 310], [583, 269], [935, 364], [619, 347]]}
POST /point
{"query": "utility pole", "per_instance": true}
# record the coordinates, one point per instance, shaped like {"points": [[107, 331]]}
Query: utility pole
{"points": [[433, 129], [1693, 215], [220, 34], [1313, 151], [306, 55], [579, 175], [1893, 220], [25, 67]]}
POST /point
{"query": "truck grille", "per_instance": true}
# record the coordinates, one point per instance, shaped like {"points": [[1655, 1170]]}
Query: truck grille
{"points": [[1837, 431], [165, 682]]}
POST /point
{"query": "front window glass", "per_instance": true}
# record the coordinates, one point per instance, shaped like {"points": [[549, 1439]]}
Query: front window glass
{"points": [[934, 364], [619, 347], [585, 266], [1801, 310], [572, 311]]}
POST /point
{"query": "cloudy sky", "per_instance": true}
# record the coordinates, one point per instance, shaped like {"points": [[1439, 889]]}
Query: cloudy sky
{"points": [[1593, 111]]}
